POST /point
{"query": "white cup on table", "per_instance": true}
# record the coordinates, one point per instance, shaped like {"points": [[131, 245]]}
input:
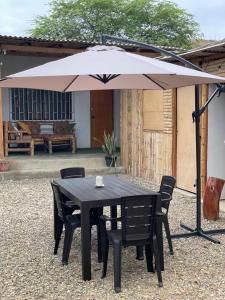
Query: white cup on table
{"points": [[99, 181]]}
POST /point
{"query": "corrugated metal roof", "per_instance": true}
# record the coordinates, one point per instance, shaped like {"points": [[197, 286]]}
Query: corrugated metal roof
{"points": [[209, 50], [77, 43]]}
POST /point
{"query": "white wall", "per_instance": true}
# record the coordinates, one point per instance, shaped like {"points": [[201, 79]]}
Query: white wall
{"points": [[82, 118], [216, 137]]}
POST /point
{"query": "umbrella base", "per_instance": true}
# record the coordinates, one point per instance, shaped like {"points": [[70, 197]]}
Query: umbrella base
{"points": [[199, 232]]}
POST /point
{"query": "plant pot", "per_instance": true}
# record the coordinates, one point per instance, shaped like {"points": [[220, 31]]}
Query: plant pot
{"points": [[109, 161], [4, 165]]}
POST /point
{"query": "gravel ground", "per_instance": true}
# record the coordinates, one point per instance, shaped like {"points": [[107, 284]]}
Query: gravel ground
{"points": [[29, 270]]}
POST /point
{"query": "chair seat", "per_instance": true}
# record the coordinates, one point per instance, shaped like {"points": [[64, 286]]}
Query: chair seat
{"points": [[73, 220], [116, 235]]}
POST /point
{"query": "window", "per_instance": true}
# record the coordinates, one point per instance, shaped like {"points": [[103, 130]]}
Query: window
{"points": [[41, 105]]}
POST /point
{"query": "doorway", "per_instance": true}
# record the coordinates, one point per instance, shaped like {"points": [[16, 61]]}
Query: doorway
{"points": [[101, 116]]}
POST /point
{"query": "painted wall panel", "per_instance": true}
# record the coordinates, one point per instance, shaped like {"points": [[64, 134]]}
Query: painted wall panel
{"points": [[216, 137], [13, 64]]}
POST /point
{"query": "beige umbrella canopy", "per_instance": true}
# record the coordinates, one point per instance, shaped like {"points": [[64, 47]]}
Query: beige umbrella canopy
{"points": [[105, 67]]}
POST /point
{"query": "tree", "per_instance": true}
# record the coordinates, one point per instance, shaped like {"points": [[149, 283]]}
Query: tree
{"points": [[151, 21]]}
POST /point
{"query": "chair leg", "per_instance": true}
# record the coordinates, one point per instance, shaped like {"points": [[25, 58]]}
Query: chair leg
{"points": [[168, 236], [105, 257], [139, 253], [117, 265], [157, 262], [58, 232], [67, 245], [103, 235], [99, 238], [149, 258]]}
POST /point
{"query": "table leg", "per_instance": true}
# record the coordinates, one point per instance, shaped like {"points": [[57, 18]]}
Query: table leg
{"points": [[73, 145], [32, 147], [56, 218], [113, 213], [85, 243], [50, 147]]}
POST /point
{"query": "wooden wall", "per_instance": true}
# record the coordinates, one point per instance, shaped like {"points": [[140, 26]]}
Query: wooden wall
{"points": [[1, 128], [148, 152], [146, 144], [216, 67]]}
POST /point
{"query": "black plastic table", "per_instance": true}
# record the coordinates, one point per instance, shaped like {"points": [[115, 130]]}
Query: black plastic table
{"points": [[82, 192]]}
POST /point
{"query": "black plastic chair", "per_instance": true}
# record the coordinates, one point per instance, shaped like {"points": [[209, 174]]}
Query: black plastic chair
{"points": [[72, 173], [75, 172], [69, 206], [79, 172], [70, 222], [166, 191], [138, 216]]}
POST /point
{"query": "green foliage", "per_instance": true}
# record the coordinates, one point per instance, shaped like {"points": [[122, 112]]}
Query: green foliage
{"points": [[109, 145], [151, 21]]}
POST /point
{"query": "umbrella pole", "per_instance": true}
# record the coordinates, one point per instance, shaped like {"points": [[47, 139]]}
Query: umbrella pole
{"points": [[198, 231]]}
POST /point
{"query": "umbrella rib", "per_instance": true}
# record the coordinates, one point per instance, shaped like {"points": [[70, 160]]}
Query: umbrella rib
{"points": [[147, 76], [70, 83], [98, 77], [105, 79]]}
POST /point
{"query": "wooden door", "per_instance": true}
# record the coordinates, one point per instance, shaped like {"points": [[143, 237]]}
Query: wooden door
{"points": [[101, 116], [186, 156]]}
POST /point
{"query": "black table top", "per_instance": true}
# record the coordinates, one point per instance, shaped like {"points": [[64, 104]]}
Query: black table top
{"points": [[83, 190]]}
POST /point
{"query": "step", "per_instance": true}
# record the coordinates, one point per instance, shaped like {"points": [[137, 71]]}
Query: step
{"points": [[54, 163], [42, 173]]}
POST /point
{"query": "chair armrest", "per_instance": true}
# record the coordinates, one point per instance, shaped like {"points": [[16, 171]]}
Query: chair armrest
{"points": [[159, 215]]}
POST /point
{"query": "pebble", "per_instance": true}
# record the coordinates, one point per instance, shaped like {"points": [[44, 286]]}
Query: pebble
{"points": [[30, 271]]}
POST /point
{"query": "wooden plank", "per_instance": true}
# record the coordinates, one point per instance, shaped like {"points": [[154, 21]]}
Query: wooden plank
{"points": [[35, 49], [1, 126], [186, 155], [153, 110], [174, 132], [204, 138], [145, 153]]}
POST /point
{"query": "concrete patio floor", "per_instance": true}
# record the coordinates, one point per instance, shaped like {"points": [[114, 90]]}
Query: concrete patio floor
{"points": [[29, 270]]}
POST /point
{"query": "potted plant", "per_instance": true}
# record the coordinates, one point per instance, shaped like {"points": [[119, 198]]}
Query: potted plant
{"points": [[4, 165], [109, 147]]}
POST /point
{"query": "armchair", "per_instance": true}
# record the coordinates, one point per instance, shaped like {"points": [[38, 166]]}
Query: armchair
{"points": [[22, 141]]}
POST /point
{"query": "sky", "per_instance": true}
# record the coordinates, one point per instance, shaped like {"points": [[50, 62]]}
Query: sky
{"points": [[17, 15]]}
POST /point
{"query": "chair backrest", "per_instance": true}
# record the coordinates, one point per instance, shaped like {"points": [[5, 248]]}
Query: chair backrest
{"points": [[58, 200], [138, 218], [72, 173], [166, 190], [166, 187]]}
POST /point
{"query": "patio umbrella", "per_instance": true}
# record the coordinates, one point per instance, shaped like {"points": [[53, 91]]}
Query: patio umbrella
{"points": [[107, 67]]}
